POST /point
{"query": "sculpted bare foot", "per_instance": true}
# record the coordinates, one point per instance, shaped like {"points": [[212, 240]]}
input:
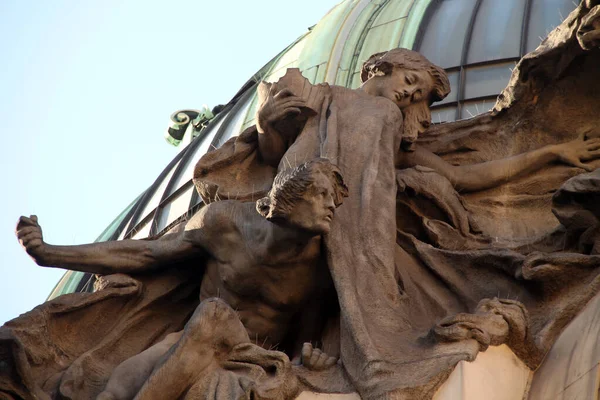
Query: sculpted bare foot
{"points": [[315, 359], [495, 322]]}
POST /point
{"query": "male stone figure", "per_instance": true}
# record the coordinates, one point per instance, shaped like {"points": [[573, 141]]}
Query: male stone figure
{"points": [[267, 266]]}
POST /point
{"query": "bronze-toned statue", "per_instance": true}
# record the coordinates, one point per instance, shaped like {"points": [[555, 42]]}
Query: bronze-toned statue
{"points": [[451, 238], [266, 265]]}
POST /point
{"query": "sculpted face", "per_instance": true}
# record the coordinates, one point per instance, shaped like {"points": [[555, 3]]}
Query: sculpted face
{"points": [[403, 86], [305, 197], [314, 211]]}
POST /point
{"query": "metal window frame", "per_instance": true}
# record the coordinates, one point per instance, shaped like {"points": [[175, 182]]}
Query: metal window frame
{"points": [[462, 68], [189, 152], [361, 41]]}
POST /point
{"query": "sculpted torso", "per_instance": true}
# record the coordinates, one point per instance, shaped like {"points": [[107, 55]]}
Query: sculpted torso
{"points": [[257, 268]]}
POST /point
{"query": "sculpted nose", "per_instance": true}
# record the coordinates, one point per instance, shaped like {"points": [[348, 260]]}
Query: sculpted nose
{"points": [[330, 204]]}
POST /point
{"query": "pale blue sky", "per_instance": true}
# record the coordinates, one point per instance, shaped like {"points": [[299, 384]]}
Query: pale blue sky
{"points": [[86, 91]]}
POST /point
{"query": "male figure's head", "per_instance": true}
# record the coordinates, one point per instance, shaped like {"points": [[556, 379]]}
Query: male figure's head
{"points": [[409, 80], [305, 197]]}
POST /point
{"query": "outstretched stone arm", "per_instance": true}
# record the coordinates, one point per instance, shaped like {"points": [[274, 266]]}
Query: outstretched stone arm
{"points": [[123, 256], [471, 178]]}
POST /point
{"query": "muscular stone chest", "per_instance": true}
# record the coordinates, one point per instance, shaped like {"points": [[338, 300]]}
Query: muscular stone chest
{"points": [[282, 287]]}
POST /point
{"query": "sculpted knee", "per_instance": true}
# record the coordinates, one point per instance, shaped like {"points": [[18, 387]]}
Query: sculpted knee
{"points": [[215, 321]]}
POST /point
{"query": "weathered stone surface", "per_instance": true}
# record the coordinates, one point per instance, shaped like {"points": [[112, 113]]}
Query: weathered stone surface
{"points": [[496, 374], [571, 368], [450, 239]]}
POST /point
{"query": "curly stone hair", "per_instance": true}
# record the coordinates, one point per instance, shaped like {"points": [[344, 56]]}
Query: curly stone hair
{"points": [[291, 184], [383, 64]]}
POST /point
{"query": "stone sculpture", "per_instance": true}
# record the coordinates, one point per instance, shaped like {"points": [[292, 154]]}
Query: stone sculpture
{"points": [[265, 264], [452, 238]]}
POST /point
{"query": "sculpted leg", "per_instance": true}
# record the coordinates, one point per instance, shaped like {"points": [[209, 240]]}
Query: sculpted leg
{"points": [[207, 339], [128, 378]]}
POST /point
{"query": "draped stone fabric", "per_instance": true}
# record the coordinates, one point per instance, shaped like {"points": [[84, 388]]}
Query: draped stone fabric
{"points": [[68, 347]]}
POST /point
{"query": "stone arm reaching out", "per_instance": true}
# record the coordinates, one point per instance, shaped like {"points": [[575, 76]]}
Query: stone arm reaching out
{"points": [[123, 256], [470, 178]]}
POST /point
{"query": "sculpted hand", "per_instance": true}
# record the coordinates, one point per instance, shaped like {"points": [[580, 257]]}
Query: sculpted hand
{"points": [[276, 107], [315, 359], [496, 321], [29, 233], [579, 150]]}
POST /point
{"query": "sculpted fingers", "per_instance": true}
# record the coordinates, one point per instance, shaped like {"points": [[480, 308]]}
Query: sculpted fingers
{"points": [[31, 241], [331, 361], [25, 237], [593, 144], [485, 329], [27, 230], [581, 165], [592, 154], [25, 221], [278, 107], [292, 101], [314, 357], [286, 105], [322, 361], [272, 89], [306, 352], [26, 226], [285, 112], [283, 93], [29, 234]]}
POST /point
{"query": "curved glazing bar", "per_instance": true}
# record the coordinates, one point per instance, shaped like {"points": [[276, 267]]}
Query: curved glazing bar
{"points": [[183, 175], [442, 42], [154, 200], [496, 31], [462, 36], [176, 207], [544, 16], [141, 205], [234, 124]]}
